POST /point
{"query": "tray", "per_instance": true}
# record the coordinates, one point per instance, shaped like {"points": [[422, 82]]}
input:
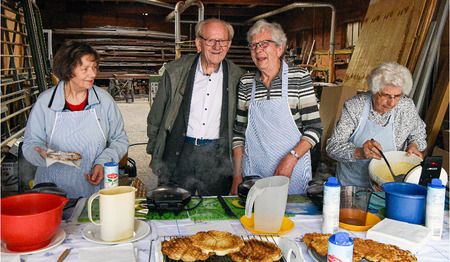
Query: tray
{"points": [[290, 250]]}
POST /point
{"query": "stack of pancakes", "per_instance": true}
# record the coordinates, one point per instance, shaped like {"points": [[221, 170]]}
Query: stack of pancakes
{"points": [[203, 245], [368, 249]]}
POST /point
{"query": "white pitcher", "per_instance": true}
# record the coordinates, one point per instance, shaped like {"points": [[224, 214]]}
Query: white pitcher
{"points": [[270, 197], [116, 206]]}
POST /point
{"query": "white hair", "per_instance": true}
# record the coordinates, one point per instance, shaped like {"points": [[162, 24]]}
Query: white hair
{"points": [[390, 73], [200, 25], [275, 30]]}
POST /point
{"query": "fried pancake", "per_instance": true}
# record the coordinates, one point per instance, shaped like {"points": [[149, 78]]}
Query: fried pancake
{"points": [[368, 249], [218, 242], [257, 251], [64, 155], [182, 249]]}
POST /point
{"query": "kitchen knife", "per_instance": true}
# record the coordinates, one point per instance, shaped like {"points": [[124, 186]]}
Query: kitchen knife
{"points": [[227, 209]]}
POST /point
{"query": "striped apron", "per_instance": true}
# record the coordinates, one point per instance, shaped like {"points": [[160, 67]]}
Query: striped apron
{"points": [[79, 132], [271, 134], [357, 173]]}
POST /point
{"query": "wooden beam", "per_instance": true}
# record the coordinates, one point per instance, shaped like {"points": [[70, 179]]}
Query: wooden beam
{"points": [[437, 109]]}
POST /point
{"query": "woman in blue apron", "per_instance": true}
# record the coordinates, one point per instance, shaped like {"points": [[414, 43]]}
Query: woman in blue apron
{"points": [[75, 116], [381, 119], [279, 100]]}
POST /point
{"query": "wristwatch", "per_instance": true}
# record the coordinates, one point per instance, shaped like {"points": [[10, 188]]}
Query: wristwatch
{"points": [[295, 154]]}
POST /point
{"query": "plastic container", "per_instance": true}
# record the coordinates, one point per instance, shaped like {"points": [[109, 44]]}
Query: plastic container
{"points": [[340, 248], [111, 174], [434, 218], [28, 221], [405, 202], [331, 204]]}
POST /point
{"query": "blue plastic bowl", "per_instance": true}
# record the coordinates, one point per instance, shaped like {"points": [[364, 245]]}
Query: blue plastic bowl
{"points": [[405, 202]]}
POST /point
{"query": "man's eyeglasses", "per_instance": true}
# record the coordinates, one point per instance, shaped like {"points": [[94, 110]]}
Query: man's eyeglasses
{"points": [[388, 97], [212, 42], [263, 44]]}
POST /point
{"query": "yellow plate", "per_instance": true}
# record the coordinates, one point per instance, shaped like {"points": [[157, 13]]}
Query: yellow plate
{"points": [[236, 203], [371, 220], [249, 223]]}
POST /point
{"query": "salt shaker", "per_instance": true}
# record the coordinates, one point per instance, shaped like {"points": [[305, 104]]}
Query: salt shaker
{"points": [[340, 248], [111, 174], [434, 218], [331, 201]]}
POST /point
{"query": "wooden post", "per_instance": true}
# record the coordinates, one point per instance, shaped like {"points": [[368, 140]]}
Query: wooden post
{"points": [[437, 109]]}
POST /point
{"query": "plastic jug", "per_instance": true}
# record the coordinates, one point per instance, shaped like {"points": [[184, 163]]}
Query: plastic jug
{"points": [[269, 195]]}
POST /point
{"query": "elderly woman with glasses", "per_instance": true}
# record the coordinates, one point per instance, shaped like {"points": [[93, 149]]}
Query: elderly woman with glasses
{"points": [[380, 119], [277, 120]]}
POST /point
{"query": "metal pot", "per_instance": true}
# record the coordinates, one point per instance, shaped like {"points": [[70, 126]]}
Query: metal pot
{"points": [[245, 186]]}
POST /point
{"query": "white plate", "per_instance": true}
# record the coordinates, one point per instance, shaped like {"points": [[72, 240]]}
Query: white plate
{"points": [[57, 239], [92, 233]]}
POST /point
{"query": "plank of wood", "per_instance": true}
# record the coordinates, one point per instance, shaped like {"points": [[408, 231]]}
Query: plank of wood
{"points": [[387, 34], [437, 109]]}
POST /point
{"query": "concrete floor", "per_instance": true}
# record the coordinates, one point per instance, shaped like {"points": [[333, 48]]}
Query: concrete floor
{"points": [[135, 118]]}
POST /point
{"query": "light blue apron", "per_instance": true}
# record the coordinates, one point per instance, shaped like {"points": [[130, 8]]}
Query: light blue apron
{"points": [[357, 173], [271, 134], [79, 132]]}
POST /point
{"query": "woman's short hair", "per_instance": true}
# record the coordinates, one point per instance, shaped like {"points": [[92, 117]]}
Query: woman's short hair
{"points": [[390, 73], [200, 25], [275, 30], [69, 56]]}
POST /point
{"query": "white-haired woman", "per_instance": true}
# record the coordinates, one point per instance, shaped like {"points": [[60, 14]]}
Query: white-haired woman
{"points": [[382, 118], [277, 120]]}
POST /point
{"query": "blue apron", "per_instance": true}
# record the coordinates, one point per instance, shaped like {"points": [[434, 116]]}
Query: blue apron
{"points": [[79, 132], [271, 134], [357, 173]]}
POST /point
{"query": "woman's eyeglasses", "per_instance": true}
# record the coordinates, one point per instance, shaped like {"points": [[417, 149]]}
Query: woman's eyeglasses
{"points": [[212, 42], [263, 44], [388, 97]]}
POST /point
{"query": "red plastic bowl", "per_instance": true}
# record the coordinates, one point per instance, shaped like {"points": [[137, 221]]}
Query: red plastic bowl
{"points": [[28, 221]]}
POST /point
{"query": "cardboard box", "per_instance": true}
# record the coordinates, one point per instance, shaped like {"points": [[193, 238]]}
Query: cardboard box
{"points": [[10, 176], [331, 102]]}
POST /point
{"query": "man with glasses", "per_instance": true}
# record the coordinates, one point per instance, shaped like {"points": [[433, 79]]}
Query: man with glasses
{"points": [[277, 120], [190, 123], [380, 119]]}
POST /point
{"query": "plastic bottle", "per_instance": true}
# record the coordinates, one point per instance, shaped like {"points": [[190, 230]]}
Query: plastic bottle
{"points": [[331, 201], [434, 218], [111, 174], [340, 248]]}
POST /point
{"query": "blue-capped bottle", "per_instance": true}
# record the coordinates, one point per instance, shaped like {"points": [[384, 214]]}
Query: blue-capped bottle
{"points": [[111, 174], [331, 201], [434, 218], [340, 248]]}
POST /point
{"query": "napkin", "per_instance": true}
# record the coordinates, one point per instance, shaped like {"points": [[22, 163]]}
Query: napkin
{"points": [[402, 234], [110, 253]]}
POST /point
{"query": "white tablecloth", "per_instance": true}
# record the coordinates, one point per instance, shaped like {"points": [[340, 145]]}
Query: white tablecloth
{"points": [[433, 251]]}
